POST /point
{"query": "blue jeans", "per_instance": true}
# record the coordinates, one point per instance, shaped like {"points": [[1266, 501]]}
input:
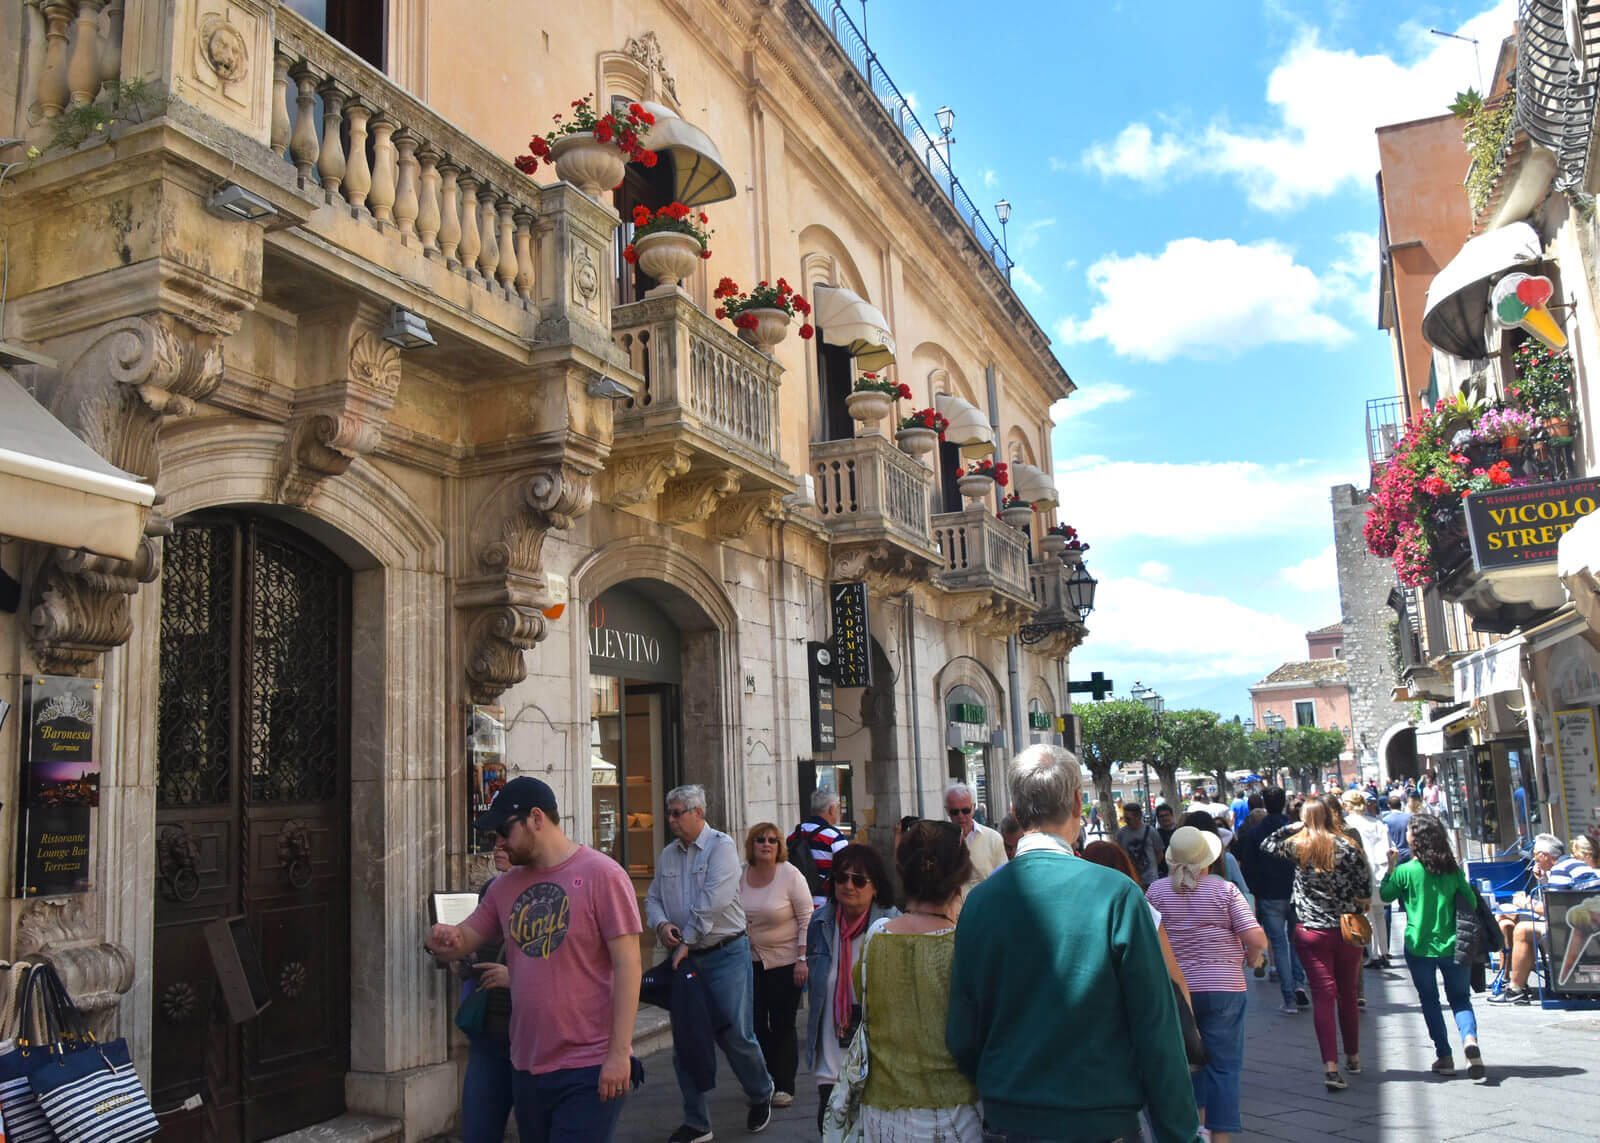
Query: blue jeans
{"points": [[1457, 989], [1274, 914], [486, 1095], [1220, 1018], [564, 1107], [730, 978]]}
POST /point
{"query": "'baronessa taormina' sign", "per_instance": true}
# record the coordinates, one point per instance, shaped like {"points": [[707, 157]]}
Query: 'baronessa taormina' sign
{"points": [[629, 636], [1512, 527]]}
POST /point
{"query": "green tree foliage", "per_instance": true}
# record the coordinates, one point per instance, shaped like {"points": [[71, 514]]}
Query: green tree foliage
{"points": [[1115, 732], [1190, 740], [1308, 751]]}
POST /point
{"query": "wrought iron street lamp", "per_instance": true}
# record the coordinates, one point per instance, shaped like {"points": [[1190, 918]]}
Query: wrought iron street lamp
{"points": [[1156, 705], [1080, 591], [947, 121], [1002, 211]]}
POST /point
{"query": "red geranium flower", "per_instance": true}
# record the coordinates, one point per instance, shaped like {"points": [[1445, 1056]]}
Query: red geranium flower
{"points": [[648, 159], [806, 332], [630, 255], [603, 131]]}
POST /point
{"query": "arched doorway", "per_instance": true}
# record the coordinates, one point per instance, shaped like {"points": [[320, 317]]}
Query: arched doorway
{"points": [[967, 746], [252, 821]]}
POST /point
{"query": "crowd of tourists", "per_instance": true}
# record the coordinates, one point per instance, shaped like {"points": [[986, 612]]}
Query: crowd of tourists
{"points": [[938, 979]]}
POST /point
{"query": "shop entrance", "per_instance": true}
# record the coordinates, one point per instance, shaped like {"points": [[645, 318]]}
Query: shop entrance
{"points": [[635, 729], [252, 820], [967, 738]]}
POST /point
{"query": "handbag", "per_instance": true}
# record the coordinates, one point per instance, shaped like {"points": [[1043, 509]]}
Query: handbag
{"points": [[474, 1006], [1194, 1045], [89, 1091], [1356, 929], [25, 1121], [841, 1119]]}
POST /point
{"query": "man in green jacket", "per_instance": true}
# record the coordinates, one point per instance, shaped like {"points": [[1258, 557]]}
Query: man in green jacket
{"points": [[1061, 1009]]}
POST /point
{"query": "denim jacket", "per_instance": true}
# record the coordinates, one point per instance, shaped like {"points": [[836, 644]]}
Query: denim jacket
{"points": [[819, 960]]}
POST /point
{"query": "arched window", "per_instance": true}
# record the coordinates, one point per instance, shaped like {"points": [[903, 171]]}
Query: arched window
{"points": [[828, 263]]}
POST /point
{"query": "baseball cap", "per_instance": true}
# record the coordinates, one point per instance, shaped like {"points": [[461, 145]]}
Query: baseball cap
{"points": [[516, 799]]}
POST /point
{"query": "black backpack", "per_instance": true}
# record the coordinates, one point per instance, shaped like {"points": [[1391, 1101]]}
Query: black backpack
{"points": [[1138, 850], [801, 857]]}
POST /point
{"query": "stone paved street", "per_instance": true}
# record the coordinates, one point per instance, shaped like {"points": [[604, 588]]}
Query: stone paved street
{"points": [[1543, 1082]]}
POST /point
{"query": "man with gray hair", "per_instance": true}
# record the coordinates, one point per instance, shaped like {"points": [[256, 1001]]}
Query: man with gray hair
{"points": [[819, 838], [695, 909], [1523, 925], [986, 847], [1049, 924]]}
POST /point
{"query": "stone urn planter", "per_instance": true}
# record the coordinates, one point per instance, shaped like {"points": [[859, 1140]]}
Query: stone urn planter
{"points": [[869, 406], [1072, 557], [916, 442], [1018, 517], [975, 488], [669, 257], [1051, 544], [588, 164], [772, 326]]}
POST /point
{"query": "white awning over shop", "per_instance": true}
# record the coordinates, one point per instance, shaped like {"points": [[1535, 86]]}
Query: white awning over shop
{"points": [[1430, 734], [54, 489], [1458, 298], [699, 174], [849, 320], [1034, 485], [1490, 671], [968, 427]]}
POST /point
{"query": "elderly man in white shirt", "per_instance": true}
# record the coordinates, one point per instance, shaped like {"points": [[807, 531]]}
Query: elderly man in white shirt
{"points": [[986, 847], [695, 909]]}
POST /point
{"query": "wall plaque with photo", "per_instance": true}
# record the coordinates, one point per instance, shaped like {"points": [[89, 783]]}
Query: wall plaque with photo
{"points": [[60, 785]]}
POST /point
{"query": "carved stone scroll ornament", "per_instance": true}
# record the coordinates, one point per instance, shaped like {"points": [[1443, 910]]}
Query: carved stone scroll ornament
{"points": [[646, 50], [496, 639], [739, 514], [340, 421], [886, 570], [57, 930], [632, 478], [687, 499]]}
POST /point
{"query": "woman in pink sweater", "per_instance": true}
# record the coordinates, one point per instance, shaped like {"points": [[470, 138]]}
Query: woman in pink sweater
{"points": [[777, 909]]}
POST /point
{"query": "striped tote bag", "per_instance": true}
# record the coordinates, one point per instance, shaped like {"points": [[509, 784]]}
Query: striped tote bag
{"points": [[25, 1120], [88, 1091]]}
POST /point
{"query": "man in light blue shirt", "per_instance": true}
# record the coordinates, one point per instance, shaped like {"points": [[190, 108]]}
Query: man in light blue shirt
{"points": [[694, 907]]}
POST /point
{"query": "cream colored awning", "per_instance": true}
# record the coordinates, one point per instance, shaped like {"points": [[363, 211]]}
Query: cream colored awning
{"points": [[849, 320], [1034, 485], [54, 489], [968, 427], [699, 174]]}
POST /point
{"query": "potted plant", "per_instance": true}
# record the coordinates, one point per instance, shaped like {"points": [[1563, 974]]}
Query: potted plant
{"points": [[1055, 539], [667, 243], [1072, 551], [872, 398], [591, 151], [761, 316], [1016, 511], [1507, 426], [980, 477], [1544, 387], [919, 432]]}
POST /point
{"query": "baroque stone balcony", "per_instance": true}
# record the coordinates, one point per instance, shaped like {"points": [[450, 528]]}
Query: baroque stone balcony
{"points": [[1055, 627], [701, 436], [873, 499], [985, 571]]}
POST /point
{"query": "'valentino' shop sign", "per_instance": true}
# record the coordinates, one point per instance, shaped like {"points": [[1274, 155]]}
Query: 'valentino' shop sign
{"points": [[1511, 527], [630, 637]]}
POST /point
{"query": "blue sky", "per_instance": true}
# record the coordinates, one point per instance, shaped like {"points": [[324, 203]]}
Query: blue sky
{"points": [[1194, 219]]}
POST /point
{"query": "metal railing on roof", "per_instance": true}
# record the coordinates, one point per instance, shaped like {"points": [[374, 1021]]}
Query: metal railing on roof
{"points": [[928, 147], [1386, 424], [1555, 103]]}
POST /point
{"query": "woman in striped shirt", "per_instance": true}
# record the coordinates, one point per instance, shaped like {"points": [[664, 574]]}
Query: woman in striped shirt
{"points": [[1213, 934]]}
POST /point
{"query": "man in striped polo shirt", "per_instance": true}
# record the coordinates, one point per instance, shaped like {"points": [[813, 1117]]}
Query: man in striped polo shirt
{"points": [[820, 833]]}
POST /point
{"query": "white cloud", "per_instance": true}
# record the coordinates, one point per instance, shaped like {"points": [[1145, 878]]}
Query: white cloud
{"points": [[1142, 629], [1314, 573], [1199, 502], [1206, 298], [1326, 103], [1029, 234], [1155, 571], [1088, 398], [990, 179], [1137, 154], [1059, 164], [1021, 277], [1354, 275]]}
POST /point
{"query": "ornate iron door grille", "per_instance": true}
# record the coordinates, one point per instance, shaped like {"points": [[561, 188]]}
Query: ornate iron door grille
{"points": [[252, 815]]}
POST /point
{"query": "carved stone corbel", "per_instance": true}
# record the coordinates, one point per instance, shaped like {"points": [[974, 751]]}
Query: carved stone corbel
{"points": [[691, 498], [504, 599], [740, 513], [81, 604], [634, 477], [887, 571], [338, 421], [57, 930]]}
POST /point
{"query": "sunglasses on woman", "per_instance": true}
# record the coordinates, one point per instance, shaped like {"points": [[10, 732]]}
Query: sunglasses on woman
{"points": [[859, 880], [766, 841]]}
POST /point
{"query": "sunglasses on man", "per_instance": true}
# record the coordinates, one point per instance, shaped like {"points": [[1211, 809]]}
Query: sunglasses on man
{"points": [[859, 880], [959, 811]]}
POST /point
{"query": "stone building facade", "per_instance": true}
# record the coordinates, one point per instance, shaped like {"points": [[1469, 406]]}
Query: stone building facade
{"points": [[571, 538]]}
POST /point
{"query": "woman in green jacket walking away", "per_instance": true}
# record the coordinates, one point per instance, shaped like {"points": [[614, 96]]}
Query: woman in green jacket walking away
{"points": [[1428, 884]]}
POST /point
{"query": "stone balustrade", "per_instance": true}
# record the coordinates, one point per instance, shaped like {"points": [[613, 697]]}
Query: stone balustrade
{"points": [[1048, 585], [866, 486], [74, 48], [982, 552]]}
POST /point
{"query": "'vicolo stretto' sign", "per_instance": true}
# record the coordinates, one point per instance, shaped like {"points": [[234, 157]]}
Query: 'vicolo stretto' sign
{"points": [[1512, 527]]}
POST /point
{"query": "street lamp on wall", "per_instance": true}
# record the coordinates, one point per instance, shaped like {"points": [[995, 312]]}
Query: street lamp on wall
{"points": [[947, 121], [1002, 211]]}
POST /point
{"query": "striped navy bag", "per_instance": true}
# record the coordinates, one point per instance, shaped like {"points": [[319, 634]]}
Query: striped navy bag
{"points": [[89, 1091], [25, 1121]]}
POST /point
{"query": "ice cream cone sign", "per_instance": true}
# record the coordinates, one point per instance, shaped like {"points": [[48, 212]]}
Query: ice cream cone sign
{"points": [[1523, 300]]}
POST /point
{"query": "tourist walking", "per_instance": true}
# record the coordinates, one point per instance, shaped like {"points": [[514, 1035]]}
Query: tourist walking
{"points": [[1141, 843], [914, 1091], [484, 1014], [1331, 880], [1375, 845], [1088, 944], [1271, 879], [777, 911], [1213, 933], [987, 847], [570, 923], [694, 907], [819, 837], [863, 893], [1429, 885]]}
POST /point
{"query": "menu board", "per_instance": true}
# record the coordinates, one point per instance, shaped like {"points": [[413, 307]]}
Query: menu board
{"points": [[1574, 918], [1578, 767], [852, 641], [61, 785]]}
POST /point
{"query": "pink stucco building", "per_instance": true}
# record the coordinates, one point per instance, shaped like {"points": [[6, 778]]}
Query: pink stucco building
{"points": [[1314, 691]]}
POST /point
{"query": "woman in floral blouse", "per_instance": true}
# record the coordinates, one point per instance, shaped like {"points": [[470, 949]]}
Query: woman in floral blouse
{"points": [[1331, 878]]}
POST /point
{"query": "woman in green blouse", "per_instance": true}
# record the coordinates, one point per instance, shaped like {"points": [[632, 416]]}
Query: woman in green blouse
{"points": [[1429, 883]]}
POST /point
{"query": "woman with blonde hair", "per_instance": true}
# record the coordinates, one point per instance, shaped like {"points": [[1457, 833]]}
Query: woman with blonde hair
{"points": [[1331, 879], [777, 910]]}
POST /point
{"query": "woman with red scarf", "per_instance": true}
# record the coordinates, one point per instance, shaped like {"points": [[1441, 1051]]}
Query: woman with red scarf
{"points": [[861, 892]]}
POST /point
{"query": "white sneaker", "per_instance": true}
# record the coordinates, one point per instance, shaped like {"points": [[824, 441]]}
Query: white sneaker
{"points": [[782, 1099], [1290, 1009]]}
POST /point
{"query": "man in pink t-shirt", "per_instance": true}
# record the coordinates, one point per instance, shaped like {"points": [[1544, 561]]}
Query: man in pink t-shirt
{"points": [[570, 923]]}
